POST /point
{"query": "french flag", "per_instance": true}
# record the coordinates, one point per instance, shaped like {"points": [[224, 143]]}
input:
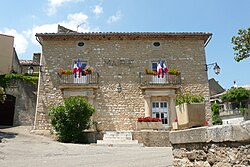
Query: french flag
{"points": [[161, 69], [77, 68]]}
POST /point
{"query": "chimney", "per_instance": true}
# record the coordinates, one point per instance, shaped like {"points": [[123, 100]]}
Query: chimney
{"points": [[36, 57]]}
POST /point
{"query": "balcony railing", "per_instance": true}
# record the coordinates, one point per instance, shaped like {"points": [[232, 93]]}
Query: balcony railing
{"points": [[88, 79], [167, 79]]}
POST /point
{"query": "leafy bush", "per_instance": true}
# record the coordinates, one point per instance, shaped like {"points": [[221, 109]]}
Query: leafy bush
{"points": [[5, 79], [189, 98], [215, 114], [70, 119]]}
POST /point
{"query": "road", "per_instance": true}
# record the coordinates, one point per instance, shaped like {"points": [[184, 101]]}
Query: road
{"points": [[20, 148]]}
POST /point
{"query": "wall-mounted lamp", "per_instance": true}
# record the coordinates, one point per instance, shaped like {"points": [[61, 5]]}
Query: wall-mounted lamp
{"points": [[30, 70], [216, 67], [119, 88]]}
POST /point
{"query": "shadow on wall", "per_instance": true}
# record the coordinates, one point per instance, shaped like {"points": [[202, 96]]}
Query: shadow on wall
{"points": [[25, 94]]}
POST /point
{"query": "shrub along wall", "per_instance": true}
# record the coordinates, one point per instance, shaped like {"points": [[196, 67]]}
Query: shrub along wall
{"points": [[216, 146]]}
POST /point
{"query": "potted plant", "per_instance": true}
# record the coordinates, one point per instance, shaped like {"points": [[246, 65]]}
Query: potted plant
{"points": [[61, 71], [173, 71], [148, 123], [88, 70], [150, 72], [173, 75], [190, 110]]}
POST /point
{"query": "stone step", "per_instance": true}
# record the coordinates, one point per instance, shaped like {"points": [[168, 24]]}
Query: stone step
{"points": [[117, 142], [114, 133], [117, 137], [113, 138], [121, 145]]}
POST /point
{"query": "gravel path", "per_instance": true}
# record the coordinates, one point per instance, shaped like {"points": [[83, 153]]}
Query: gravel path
{"points": [[20, 148]]}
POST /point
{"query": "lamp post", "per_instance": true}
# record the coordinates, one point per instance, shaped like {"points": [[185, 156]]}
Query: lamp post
{"points": [[30, 70], [216, 67]]}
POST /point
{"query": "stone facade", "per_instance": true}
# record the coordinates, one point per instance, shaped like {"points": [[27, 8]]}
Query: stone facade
{"points": [[35, 63], [119, 59], [214, 146], [25, 94]]}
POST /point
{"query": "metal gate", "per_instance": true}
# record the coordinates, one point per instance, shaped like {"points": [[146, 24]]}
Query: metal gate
{"points": [[7, 110]]}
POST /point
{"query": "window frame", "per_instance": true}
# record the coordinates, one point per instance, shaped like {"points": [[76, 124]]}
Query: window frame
{"points": [[156, 108]]}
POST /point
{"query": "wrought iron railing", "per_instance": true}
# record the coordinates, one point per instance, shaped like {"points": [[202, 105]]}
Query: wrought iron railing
{"points": [[88, 79], [167, 79]]}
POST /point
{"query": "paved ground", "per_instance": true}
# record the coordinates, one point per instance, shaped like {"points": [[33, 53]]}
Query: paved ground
{"points": [[19, 148]]}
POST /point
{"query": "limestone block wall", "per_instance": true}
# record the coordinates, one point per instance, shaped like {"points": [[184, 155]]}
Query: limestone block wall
{"points": [[152, 138], [48, 95], [227, 146], [119, 111], [118, 61], [25, 107]]}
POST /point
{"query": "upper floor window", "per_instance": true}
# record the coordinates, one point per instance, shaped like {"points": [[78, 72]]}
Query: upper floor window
{"points": [[154, 66]]}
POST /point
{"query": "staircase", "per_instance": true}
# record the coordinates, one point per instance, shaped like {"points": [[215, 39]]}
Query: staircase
{"points": [[115, 138]]}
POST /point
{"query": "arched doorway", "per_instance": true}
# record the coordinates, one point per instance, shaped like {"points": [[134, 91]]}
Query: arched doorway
{"points": [[7, 110]]}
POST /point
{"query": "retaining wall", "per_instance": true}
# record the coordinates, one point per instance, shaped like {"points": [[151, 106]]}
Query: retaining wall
{"points": [[215, 146]]}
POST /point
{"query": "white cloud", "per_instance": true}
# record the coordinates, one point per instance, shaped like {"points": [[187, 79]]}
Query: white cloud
{"points": [[54, 4], [73, 20], [20, 41], [23, 39], [115, 17], [97, 10]]}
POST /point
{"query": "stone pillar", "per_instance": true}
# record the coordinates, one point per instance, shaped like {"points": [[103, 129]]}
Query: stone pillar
{"points": [[172, 111], [148, 112]]}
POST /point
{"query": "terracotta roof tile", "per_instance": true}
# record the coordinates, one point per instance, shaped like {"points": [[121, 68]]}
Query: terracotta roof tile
{"points": [[28, 62]]}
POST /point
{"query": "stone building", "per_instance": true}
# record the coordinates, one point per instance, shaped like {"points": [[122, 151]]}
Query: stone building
{"points": [[34, 64], [118, 87], [8, 57], [19, 105]]}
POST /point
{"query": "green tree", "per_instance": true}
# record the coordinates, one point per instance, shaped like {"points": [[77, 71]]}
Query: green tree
{"points": [[237, 95], [242, 44], [216, 114], [70, 119]]}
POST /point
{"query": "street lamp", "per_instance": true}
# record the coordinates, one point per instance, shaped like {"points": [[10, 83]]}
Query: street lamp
{"points": [[30, 70], [216, 67]]}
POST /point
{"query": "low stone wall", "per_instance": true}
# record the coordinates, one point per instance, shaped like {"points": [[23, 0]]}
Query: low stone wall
{"points": [[147, 138], [91, 136], [216, 146], [152, 138]]}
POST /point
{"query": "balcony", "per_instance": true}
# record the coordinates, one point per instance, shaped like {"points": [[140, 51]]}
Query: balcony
{"points": [[72, 81], [148, 81]]}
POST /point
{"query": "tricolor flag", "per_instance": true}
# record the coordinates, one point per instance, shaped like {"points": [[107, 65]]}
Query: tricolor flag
{"points": [[161, 68], [77, 69]]}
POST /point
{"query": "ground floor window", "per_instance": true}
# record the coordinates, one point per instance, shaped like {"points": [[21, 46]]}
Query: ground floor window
{"points": [[160, 110]]}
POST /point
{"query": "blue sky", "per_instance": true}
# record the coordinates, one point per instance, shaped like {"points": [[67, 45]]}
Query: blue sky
{"points": [[223, 18]]}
